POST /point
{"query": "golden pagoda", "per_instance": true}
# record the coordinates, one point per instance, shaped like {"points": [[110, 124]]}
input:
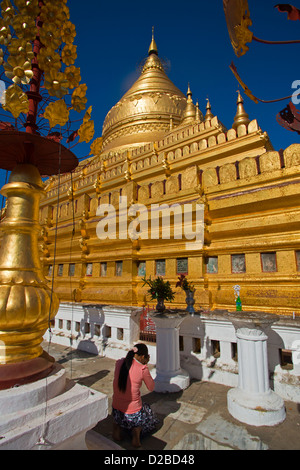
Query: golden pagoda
{"points": [[158, 148], [143, 114]]}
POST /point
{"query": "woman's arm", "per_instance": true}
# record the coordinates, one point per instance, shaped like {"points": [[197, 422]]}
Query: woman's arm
{"points": [[147, 378]]}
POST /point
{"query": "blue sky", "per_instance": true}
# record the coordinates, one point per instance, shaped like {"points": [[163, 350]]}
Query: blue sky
{"points": [[113, 38]]}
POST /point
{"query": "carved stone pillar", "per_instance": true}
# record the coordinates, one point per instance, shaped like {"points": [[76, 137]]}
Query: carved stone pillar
{"points": [[168, 375], [253, 402]]}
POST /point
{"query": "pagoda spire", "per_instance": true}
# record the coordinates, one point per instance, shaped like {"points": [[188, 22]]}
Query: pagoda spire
{"points": [[241, 116], [153, 47], [189, 94], [198, 118], [209, 115], [190, 110]]}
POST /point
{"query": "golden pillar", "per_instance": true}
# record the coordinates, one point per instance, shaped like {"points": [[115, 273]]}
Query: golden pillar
{"points": [[26, 303]]}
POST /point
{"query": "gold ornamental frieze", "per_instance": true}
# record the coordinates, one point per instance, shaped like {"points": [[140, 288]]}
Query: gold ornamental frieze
{"points": [[152, 107]]}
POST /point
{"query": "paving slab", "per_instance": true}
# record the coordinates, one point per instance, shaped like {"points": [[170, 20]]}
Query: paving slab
{"points": [[225, 433], [193, 419]]}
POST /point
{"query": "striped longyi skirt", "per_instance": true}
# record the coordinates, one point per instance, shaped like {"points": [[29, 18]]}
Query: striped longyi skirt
{"points": [[144, 418]]}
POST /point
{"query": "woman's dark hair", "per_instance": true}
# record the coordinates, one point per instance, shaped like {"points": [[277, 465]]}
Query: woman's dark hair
{"points": [[142, 350]]}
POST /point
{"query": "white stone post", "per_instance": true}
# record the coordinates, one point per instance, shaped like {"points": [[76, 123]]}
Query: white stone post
{"points": [[253, 402], [168, 375]]}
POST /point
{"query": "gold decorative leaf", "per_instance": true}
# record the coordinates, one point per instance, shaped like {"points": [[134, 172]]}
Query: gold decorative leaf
{"points": [[25, 27], [8, 10], [69, 54], [18, 69], [5, 33], [21, 47], [56, 84], [16, 101], [72, 74], [48, 59], [49, 36], [79, 99], [57, 113], [96, 146], [54, 12], [86, 131], [88, 114], [68, 32], [28, 7]]}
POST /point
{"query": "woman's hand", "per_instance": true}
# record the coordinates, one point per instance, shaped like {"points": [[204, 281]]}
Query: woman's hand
{"points": [[146, 359]]}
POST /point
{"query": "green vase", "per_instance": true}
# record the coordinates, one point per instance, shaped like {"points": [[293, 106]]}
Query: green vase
{"points": [[238, 304]]}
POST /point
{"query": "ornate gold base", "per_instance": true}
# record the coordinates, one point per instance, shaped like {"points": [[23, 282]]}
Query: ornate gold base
{"points": [[21, 373], [27, 304]]}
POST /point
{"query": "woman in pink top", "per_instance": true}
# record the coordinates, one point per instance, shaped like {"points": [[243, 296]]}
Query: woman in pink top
{"points": [[127, 408]]}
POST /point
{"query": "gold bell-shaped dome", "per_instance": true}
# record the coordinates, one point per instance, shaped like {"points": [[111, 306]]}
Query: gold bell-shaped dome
{"points": [[143, 114]]}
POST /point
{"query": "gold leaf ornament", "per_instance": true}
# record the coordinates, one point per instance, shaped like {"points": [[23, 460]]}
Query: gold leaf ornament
{"points": [[49, 36], [96, 146], [21, 47], [54, 12], [16, 101], [25, 27], [88, 114], [69, 54], [28, 7], [56, 84], [57, 113], [8, 10], [18, 69], [48, 59], [5, 32], [86, 131], [68, 32], [79, 98], [72, 74]]}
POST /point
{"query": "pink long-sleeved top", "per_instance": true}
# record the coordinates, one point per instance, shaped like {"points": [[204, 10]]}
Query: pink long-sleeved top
{"points": [[131, 402]]}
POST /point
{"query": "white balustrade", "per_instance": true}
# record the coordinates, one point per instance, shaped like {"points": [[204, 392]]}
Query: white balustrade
{"points": [[208, 344]]}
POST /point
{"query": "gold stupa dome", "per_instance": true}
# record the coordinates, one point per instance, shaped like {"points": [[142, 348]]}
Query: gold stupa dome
{"points": [[143, 114]]}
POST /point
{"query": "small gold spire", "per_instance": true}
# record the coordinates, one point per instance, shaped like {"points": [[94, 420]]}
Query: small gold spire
{"points": [[198, 117], [241, 116], [190, 110], [189, 94], [153, 46], [209, 115]]}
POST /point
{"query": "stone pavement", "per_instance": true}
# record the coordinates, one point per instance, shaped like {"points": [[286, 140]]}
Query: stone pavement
{"points": [[194, 419]]}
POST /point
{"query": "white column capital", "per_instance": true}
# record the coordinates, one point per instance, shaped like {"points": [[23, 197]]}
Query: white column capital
{"points": [[170, 319]]}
